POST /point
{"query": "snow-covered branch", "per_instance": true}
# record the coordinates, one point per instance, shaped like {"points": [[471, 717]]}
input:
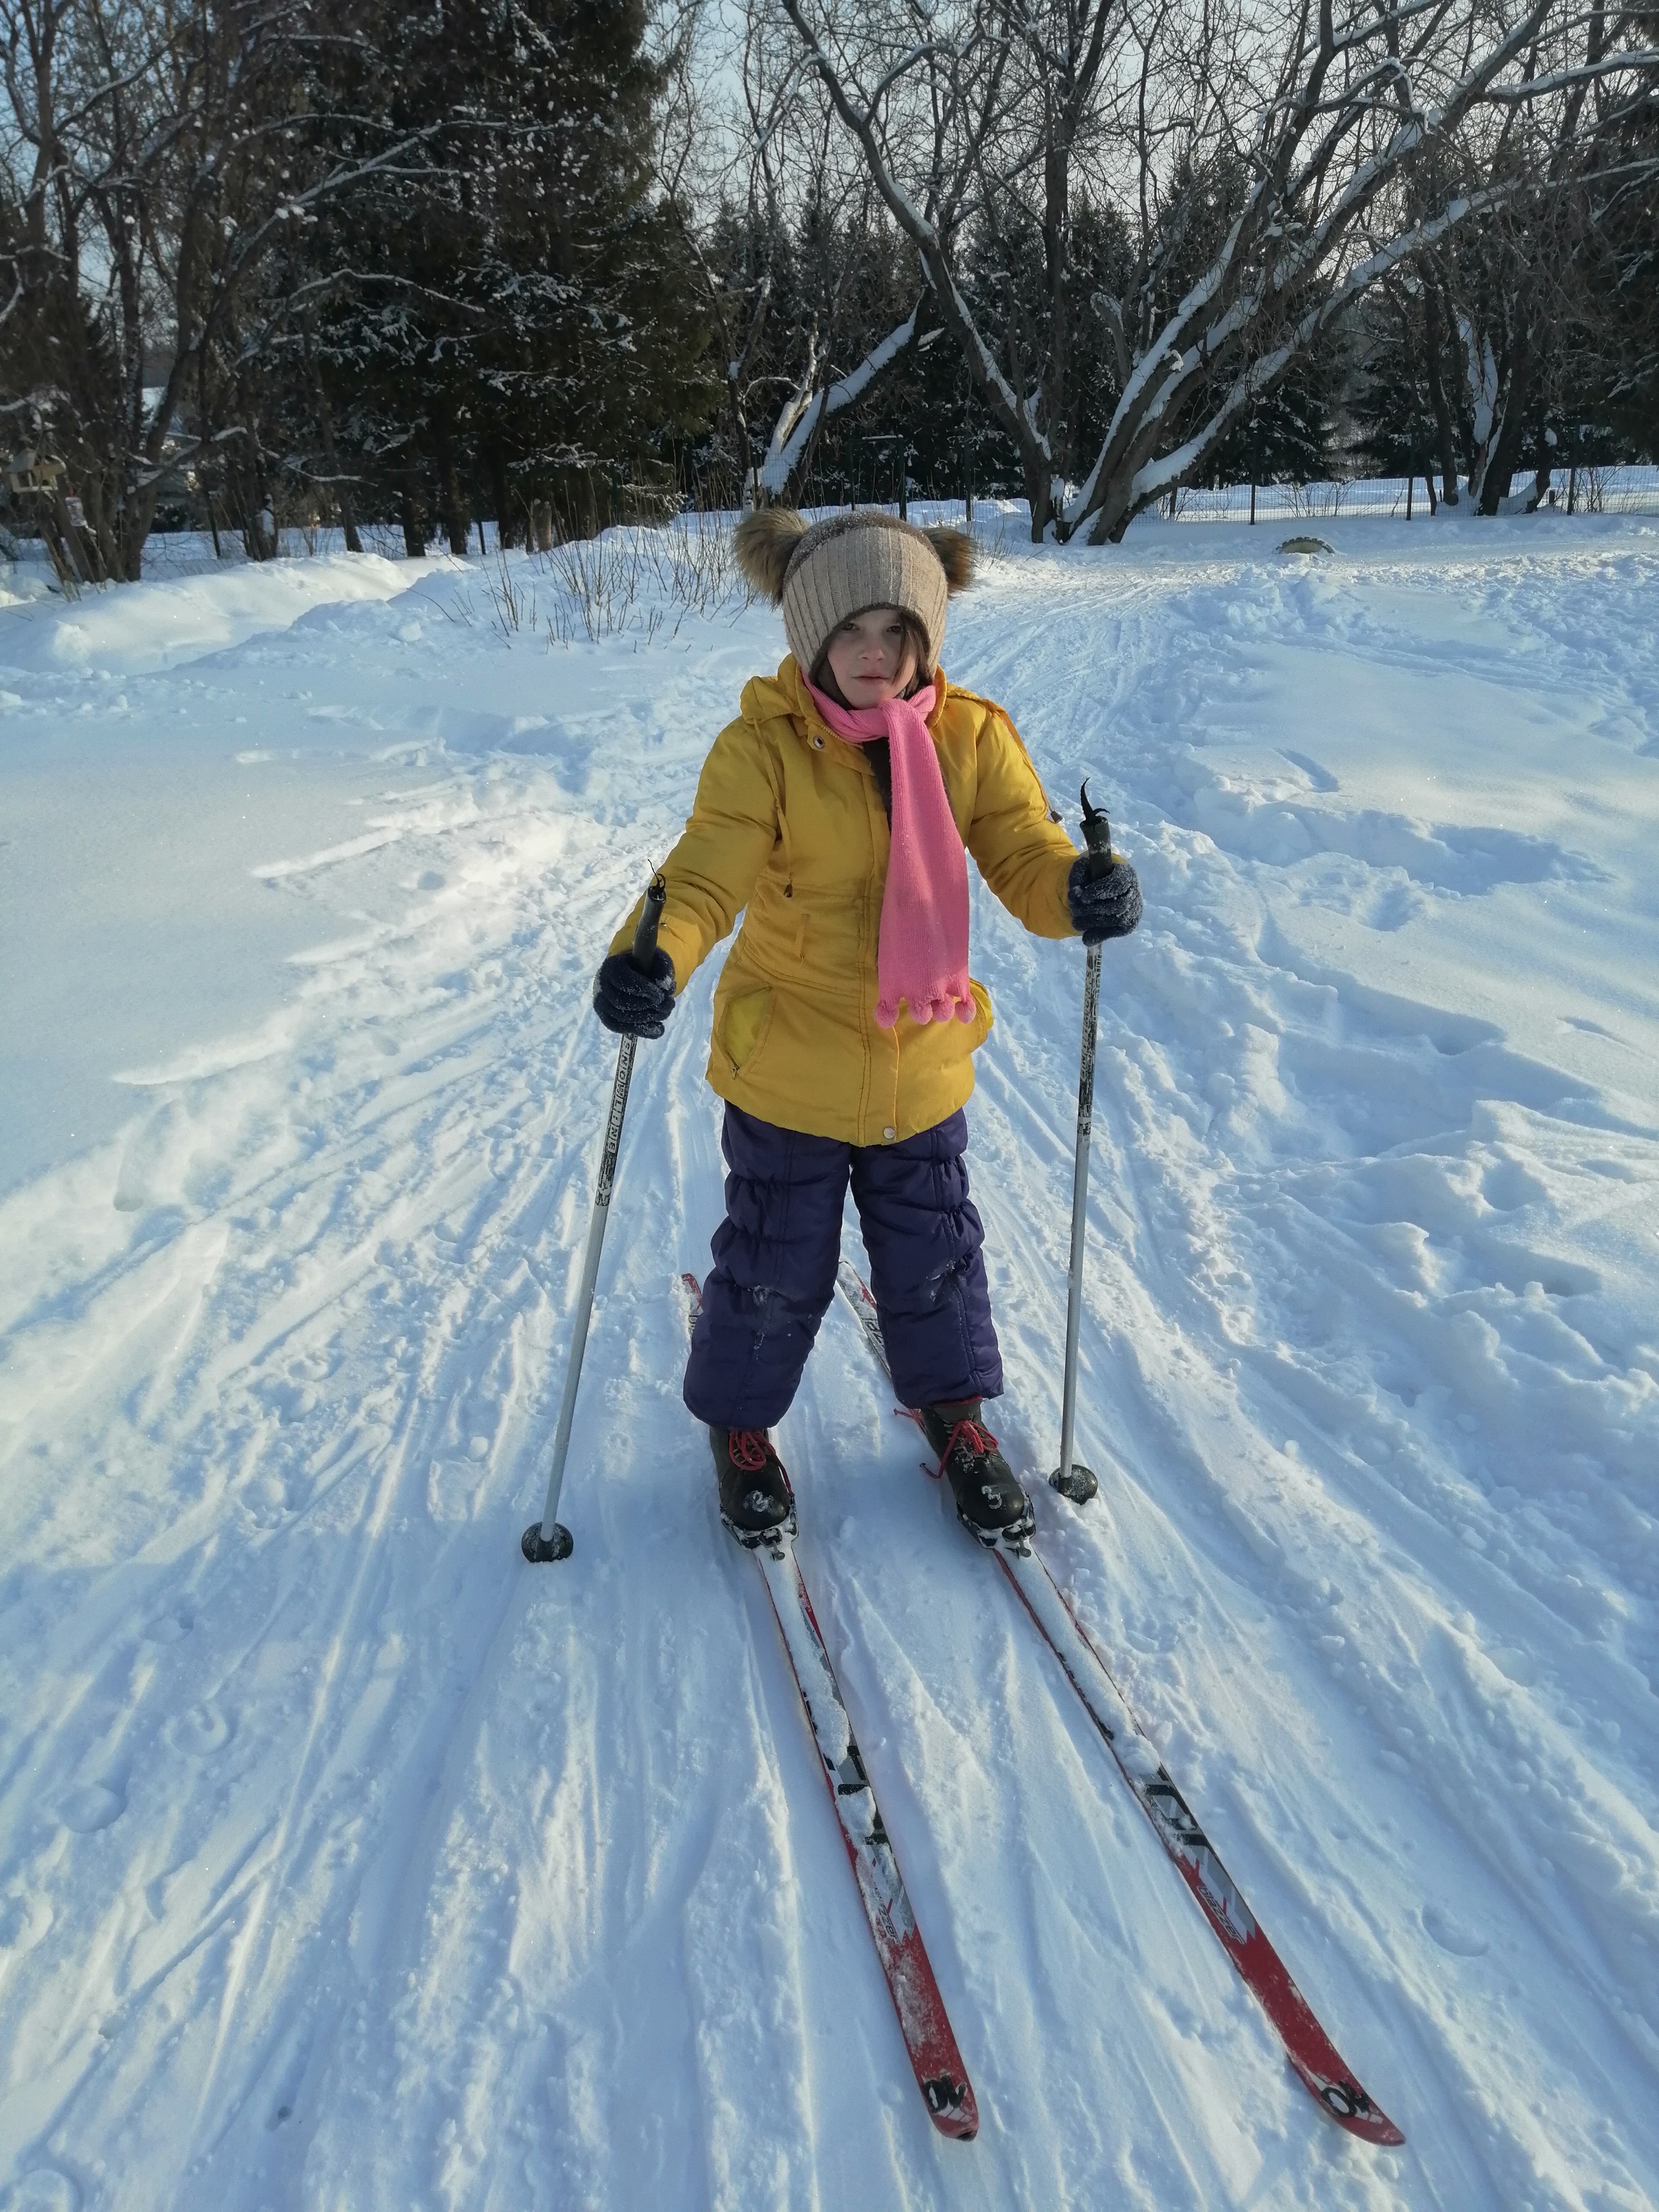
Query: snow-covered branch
{"points": [[806, 411]]}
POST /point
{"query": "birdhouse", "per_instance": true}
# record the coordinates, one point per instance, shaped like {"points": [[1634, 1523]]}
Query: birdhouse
{"points": [[28, 471]]}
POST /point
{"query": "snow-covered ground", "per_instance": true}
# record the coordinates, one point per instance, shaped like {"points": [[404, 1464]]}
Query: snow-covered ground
{"points": [[346, 1863]]}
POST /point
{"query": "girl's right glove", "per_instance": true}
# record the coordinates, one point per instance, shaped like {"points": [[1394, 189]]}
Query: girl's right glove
{"points": [[629, 1003], [1103, 906]]}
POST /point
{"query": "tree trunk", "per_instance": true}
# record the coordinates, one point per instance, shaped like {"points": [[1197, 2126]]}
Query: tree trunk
{"points": [[1505, 451], [256, 492], [133, 535], [108, 541], [451, 499], [1039, 494], [1058, 393], [330, 459], [747, 485], [68, 555], [1118, 506], [1036, 466], [202, 433], [1433, 339], [259, 521], [506, 526], [411, 509]]}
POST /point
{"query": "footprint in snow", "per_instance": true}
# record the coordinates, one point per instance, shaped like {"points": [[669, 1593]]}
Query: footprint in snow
{"points": [[167, 1628], [48, 2189], [1449, 1933], [91, 1808], [1390, 906], [24, 1922], [1319, 776], [197, 1732]]}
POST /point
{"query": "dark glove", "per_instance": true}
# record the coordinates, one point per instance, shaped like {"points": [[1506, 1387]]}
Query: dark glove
{"points": [[1104, 906], [632, 1003]]}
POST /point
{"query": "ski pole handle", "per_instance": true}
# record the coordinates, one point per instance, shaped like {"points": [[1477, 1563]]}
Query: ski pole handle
{"points": [[643, 950], [1097, 835]]}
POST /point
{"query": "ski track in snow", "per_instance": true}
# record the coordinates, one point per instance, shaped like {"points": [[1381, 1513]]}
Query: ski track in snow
{"points": [[346, 1861]]}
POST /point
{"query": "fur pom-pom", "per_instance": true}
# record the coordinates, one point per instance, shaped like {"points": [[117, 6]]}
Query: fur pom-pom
{"points": [[955, 549], [763, 541]]}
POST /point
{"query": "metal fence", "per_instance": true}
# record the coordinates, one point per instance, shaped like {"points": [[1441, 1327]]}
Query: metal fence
{"points": [[1573, 491]]}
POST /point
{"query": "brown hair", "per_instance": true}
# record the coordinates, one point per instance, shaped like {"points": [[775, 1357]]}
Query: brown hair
{"points": [[915, 639]]}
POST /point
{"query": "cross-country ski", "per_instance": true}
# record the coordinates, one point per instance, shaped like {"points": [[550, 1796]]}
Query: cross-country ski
{"points": [[923, 2022], [1308, 2047]]}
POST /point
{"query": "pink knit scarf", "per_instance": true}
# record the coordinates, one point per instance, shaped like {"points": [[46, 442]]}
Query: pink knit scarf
{"points": [[922, 954]]}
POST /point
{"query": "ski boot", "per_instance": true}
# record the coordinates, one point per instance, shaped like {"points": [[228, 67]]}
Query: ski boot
{"points": [[757, 1504], [990, 1503]]}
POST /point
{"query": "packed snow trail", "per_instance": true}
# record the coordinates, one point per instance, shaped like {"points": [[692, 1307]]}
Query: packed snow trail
{"points": [[345, 1860]]}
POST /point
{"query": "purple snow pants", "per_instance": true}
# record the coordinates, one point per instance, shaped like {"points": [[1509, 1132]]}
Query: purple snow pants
{"points": [[774, 1268]]}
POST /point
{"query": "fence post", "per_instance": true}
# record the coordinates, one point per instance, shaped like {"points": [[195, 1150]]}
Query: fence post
{"points": [[1253, 499], [1411, 486]]}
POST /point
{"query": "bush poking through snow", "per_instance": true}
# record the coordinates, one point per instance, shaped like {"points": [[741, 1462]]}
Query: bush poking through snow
{"points": [[645, 581]]}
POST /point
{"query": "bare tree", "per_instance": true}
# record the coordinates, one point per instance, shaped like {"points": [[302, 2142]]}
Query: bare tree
{"points": [[156, 152], [1526, 286], [1305, 123], [738, 159], [767, 161]]}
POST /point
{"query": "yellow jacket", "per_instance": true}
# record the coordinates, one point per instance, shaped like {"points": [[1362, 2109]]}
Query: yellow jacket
{"points": [[789, 824]]}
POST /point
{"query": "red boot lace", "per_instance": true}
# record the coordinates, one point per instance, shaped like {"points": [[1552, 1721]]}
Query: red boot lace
{"points": [[748, 1449], [979, 1440]]}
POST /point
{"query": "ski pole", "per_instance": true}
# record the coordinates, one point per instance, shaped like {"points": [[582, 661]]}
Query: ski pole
{"points": [[547, 1538], [1071, 1480]]}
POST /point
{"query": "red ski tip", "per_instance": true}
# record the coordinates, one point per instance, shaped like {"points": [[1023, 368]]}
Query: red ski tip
{"points": [[1349, 2107], [952, 2107]]}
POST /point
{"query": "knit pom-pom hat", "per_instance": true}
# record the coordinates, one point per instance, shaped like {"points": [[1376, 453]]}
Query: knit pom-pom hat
{"points": [[822, 574]]}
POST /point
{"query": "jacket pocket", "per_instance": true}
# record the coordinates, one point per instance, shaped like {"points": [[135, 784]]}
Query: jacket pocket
{"points": [[980, 1028], [744, 1026], [937, 1045]]}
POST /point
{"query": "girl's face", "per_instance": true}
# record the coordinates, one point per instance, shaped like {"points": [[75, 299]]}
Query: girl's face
{"points": [[870, 657]]}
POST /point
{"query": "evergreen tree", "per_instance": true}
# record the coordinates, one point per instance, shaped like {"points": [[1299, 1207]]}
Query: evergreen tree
{"points": [[508, 321], [1390, 400]]}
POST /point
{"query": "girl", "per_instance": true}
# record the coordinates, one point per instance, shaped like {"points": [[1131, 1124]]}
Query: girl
{"points": [[837, 811]]}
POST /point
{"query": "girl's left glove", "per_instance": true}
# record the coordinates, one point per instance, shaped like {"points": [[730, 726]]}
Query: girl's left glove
{"points": [[631, 1004], [1103, 906]]}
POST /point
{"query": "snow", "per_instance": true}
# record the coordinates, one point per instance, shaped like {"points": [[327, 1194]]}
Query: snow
{"points": [[344, 1859]]}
